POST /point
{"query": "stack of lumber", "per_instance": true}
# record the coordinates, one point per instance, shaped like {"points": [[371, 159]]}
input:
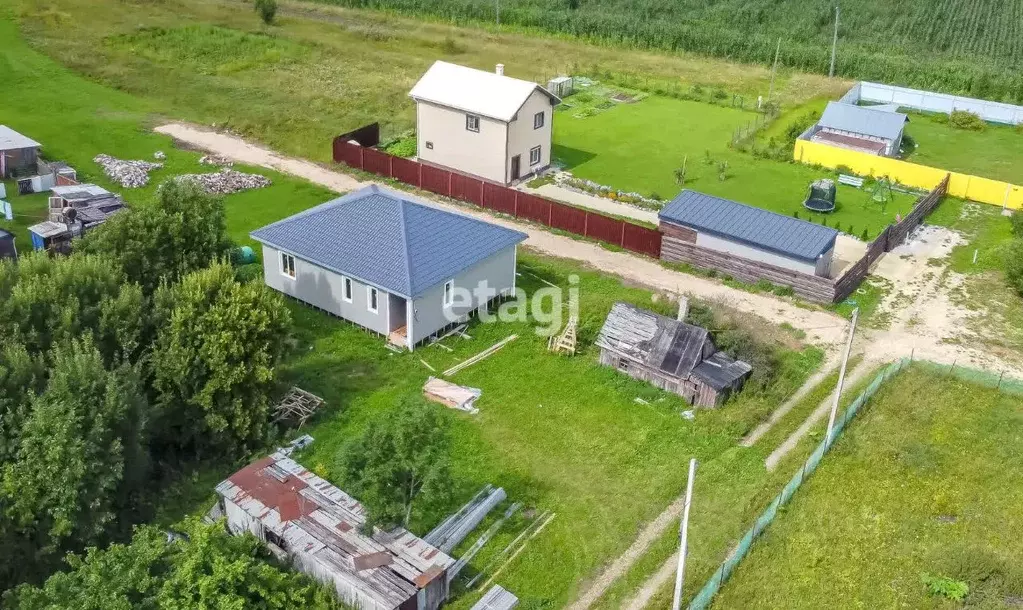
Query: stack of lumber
{"points": [[480, 356], [452, 395], [497, 598], [455, 528]]}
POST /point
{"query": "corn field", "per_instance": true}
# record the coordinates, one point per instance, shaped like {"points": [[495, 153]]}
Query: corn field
{"points": [[971, 48]]}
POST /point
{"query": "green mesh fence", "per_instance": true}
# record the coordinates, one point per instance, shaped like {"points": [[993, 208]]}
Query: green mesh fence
{"points": [[983, 378], [720, 576]]}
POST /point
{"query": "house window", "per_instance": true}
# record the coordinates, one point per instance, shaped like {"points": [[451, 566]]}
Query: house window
{"points": [[472, 122], [538, 120], [449, 293], [288, 265], [346, 289], [534, 155], [371, 294], [429, 146]]}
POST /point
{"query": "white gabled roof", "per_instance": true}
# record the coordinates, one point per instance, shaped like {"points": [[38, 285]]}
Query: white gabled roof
{"points": [[476, 91], [12, 140]]}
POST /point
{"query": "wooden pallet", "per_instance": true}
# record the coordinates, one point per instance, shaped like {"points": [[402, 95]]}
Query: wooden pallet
{"points": [[297, 405]]}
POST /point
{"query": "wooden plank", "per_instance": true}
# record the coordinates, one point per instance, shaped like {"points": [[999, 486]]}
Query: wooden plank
{"points": [[480, 356]]}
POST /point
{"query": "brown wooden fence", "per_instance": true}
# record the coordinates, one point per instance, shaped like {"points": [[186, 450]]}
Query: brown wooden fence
{"points": [[499, 198]]}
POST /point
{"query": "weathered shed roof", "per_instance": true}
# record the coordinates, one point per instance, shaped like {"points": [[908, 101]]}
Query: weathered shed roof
{"points": [[497, 598], [12, 140], [659, 342], [325, 524], [388, 239], [476, 91], [48, 228], [78, 192], [721, 371], [866, 120], [746, 224]]}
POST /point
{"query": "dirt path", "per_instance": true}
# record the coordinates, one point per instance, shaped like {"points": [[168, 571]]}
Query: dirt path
{"points": [[826, 368], [653, 584], [820, 326], [819, 413]]}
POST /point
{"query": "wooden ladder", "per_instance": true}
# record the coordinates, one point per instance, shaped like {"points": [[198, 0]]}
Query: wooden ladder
{"points": [[565, 342]]}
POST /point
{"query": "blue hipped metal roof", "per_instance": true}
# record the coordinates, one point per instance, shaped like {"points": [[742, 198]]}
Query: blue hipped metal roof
{"points": [[755, 227], [867, 120], [385, 238]]}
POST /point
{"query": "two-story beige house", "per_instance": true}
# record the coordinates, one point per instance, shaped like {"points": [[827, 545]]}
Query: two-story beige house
{"points": [[483, 123]]}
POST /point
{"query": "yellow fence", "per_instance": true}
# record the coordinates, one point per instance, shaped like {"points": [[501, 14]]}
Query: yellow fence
{"points": [[964, 186]]}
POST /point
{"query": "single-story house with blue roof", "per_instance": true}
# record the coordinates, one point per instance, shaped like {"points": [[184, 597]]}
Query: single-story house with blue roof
{"points": [[748, 232], [876, 130], [390, 263]]}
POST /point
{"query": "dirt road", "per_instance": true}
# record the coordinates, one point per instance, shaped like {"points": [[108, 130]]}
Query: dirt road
{"points": [[820, 326]]}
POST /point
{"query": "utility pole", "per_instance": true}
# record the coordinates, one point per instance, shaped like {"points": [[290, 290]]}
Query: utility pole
{"points": [[774, 70], [841, 374], [683, 534], [834, 44]]}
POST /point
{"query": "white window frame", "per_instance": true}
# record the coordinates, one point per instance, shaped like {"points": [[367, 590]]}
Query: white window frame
{"points": [[539, 156], [371, 295], [539, 119], [472, 123], [448, 296], [284, 267], [347, 289]]}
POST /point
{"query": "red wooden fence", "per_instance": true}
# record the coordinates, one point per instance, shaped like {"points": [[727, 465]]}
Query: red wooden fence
{"points": [[501, 199]]}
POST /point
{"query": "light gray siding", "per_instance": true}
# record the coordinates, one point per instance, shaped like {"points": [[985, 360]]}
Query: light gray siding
{"points": [[324, 289], [720, 244], [429, 312]]}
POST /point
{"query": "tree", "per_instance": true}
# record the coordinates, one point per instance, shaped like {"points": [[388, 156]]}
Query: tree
{"points": [[204, 568], [53, 300], [180, 231], [267, 10], [218, 343], [81, 455], [21, 377], [1014, 265], [400, 461]]}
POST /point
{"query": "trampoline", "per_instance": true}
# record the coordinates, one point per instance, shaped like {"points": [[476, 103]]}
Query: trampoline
{"points": [[821, 196]]}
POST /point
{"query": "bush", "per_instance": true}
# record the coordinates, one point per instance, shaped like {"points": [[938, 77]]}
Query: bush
{"points": [[943, 586], [1017, 223], [267, 10], [1014, 265], [961, 119], [865, 236], [405, 147]]}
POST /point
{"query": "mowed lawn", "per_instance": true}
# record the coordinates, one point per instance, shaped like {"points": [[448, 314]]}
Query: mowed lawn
{"points": [[638, 146], [996, 152], [925, 481]]}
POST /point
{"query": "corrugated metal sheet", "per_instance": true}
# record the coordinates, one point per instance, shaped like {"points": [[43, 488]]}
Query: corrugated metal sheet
{"points": [[721, 371], [657, 341], [867, 120], [759, 228], [322, 527], [12, 140], [497, 598], [386, 239]]}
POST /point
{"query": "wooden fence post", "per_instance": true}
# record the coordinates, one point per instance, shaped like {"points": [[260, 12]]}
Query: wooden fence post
{"points": [[515, 205], [451, 176], [420, 174], [362, 160], [586, 224], [550, 211], [622, 242]]}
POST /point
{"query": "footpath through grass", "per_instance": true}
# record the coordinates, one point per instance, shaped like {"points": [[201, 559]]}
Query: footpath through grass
{"points": [[925, 482]]}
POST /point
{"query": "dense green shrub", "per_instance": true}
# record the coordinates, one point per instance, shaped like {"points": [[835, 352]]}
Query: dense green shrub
{"points": [[1017, 224], [961, 119], [1014, 265], [267, 10]]}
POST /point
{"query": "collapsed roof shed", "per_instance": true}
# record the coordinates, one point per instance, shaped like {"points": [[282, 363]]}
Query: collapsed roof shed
{"points": [[672, 355], [320, 528], [753, 233]]}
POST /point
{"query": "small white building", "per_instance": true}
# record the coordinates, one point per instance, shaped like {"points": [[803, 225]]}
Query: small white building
{"points": [[484, 124], [319, 528]]}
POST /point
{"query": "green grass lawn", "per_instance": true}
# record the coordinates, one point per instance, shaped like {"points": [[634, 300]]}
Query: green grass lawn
{"points": [[915, 486], [996, 152], [637, 147]]}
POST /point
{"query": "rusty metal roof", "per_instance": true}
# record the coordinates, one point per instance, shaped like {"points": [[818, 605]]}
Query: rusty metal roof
{"points": [[324, 524]]}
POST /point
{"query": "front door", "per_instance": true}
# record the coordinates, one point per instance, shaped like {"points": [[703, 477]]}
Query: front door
{"points": [[516, 161]]}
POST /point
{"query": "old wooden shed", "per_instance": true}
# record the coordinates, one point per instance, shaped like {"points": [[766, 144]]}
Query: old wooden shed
{"points": [[670, 354]]}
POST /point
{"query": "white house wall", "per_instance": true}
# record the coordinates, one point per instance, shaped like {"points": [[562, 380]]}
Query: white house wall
{"points": [[322, 288], [429, 311], [522, 137], [712, 242], [479, 153]]}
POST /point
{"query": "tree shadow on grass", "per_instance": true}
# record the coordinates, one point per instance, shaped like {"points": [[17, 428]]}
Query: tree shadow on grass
{"points": [[569, 157]]}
